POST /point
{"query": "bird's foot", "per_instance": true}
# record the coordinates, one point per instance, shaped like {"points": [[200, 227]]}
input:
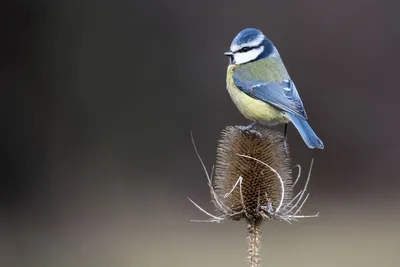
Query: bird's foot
{"points": [[246, 128], [249, 129]]}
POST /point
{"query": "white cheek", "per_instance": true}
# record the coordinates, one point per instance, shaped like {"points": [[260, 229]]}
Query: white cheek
{"points": [[248, 56]]}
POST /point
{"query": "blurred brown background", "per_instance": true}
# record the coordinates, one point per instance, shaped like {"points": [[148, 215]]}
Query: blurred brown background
{"points": [[98, 99]]}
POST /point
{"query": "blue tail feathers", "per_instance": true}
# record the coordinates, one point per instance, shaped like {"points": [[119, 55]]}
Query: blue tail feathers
{"points": [[304, 129]]}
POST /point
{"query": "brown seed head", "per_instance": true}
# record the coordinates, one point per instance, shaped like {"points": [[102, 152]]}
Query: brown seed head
{"points": [[253, 175]]}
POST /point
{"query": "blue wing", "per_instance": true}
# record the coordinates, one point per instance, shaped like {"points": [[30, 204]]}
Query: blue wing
{"points": [[282, 95]]}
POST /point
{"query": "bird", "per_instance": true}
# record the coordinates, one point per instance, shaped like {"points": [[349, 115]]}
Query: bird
{"points": [[261, 88]]}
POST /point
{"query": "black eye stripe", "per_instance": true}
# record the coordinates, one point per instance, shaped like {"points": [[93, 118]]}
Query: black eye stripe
{"points": [[247, 48]]}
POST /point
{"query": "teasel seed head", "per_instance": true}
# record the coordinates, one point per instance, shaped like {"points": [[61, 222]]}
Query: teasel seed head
{"points": [[253, 174], [253, 181]]}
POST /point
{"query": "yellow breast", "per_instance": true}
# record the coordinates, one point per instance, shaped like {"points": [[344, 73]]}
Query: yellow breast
{"points": [[253, 109]]}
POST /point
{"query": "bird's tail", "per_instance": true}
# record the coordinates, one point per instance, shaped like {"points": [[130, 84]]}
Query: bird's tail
{"points": [[308, 135]]}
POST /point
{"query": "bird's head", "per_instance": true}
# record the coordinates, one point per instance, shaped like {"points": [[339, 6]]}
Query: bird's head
{"points": [[249, 45]]}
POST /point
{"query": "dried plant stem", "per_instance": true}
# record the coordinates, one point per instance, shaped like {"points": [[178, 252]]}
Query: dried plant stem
{"points": [[253, 181], [254, 242]]}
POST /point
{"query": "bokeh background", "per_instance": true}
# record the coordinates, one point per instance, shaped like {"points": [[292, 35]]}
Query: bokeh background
{"points": [[98, 99]]}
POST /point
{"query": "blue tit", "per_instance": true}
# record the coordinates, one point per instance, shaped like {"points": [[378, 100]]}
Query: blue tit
{"points": [[261, 87]]}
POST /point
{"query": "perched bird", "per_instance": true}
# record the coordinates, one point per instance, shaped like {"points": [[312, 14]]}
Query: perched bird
{"points": [[261, 88]]}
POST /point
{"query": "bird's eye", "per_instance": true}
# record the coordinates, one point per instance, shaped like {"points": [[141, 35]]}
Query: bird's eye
{"points": [[245, 49]]}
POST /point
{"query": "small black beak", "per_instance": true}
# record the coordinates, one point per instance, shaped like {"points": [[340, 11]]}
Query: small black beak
{"points": [[228, 53]]}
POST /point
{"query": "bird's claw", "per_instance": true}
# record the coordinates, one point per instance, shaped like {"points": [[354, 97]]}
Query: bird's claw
{"points": [[259, 135], [243, 128], [249, 131], [246, 128]]}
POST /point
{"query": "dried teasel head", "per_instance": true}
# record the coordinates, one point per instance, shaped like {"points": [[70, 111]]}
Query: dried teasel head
{"points": [[253, 175], [253, 181], [253, 178]]}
